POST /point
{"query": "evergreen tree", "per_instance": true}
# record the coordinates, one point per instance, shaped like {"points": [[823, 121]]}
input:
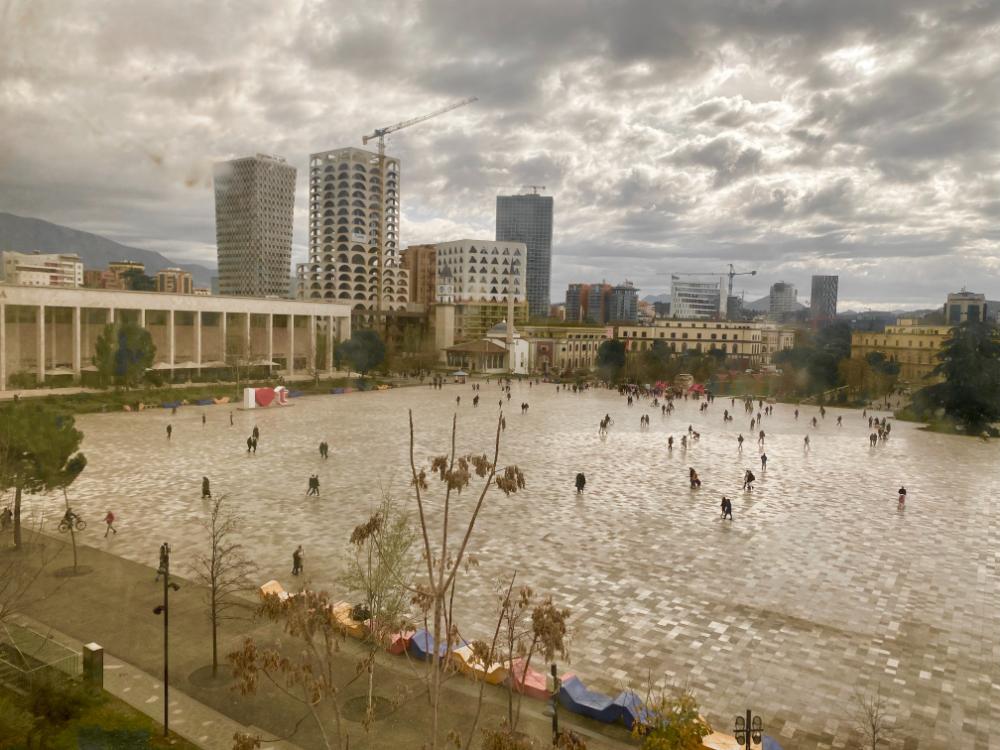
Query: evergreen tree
{"points": [[611, 358], [123, 353], [969, 362], [364, 351], [38, 452]]}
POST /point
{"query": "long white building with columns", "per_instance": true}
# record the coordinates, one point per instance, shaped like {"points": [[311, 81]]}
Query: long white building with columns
{"points": [[50, 332]]}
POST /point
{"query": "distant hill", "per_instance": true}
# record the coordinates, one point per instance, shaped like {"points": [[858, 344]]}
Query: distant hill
{"points": [[651, 298], [25, 235]]}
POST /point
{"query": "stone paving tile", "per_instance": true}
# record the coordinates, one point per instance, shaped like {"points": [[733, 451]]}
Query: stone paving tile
{"points": [[819, 587]]}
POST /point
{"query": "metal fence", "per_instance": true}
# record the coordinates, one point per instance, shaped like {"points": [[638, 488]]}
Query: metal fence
{"points": [[27, 655]]}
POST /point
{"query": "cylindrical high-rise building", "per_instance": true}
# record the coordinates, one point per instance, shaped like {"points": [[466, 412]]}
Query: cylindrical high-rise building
{"points": [[528, 219], [254, 204]]}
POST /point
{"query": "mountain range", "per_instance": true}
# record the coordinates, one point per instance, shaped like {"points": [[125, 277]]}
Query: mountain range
{"points": [[25, 234]]}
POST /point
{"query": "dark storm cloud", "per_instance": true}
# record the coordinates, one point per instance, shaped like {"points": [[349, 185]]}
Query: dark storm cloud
{"points": [[791, 136]]}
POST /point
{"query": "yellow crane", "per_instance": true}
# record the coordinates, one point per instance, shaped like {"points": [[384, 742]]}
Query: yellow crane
{"points": [[379, 134]]}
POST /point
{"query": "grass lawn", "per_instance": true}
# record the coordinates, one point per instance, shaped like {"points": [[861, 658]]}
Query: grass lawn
{"points": [[104, 723]]}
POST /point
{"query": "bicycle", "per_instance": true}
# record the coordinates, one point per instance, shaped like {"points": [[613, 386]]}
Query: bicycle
{"points": [[78, 524]]}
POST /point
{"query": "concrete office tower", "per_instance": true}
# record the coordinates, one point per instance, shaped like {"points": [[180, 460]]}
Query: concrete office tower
{"points": [[698, 300], [347, 205], [823, 299], [254, 202], [528, 219], [782, 300]]}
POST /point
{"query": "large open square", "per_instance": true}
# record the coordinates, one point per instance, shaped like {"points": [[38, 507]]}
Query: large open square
{"points": [[819, 587]]}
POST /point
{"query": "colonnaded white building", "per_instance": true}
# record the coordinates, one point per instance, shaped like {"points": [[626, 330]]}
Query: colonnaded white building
{"points": [[49, 332]]}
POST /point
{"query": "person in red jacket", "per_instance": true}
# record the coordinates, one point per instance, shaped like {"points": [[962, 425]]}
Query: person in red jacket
{"points": [[109, 519]]}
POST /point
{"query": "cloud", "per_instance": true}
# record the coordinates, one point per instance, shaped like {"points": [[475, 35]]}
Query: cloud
{"points": [[849, 137]]}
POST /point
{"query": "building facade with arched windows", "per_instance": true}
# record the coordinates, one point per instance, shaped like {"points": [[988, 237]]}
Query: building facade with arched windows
{"points": [[350, 201]]}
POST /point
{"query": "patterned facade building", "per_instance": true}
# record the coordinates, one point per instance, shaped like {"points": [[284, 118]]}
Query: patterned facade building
{"points": [[254, 205], [481, 278], [349, 204]]}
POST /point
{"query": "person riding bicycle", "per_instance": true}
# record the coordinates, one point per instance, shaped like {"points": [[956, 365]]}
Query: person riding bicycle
{"points": [[70, 519]]}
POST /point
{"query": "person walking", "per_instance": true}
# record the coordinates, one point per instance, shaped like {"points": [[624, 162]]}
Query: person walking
{"points": [[694, 478], [164, 561], [256, 434], [109, 519], [206, 490], [254, 445], [297, 556], [203, 419], [763, 461], [727, 508], [170, 431], [902, 497], [805, 444], [581, 482], [230, 417], [313, 485], [740, 441], [5, 519], [249, 443], [748, 480]]}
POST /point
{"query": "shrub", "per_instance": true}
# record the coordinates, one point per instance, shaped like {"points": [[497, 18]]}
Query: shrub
{"points": [[15, 724], [58, 700]]}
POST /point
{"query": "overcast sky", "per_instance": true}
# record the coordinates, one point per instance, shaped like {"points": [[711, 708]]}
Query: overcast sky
{"points": [[854, 137]]}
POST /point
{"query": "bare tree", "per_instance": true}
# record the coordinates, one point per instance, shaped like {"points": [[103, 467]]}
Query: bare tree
{"points": [[444, 559], [869, 712], [225, 570], [309, 676]]}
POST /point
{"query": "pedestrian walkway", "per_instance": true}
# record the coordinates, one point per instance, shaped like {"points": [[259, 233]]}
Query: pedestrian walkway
{"points": [[113, 603], [189, 718]]}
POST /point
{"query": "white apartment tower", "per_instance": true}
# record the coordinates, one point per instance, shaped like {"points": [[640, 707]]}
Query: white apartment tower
{"points": [[348, 202], [254, 203], [484, 270]]}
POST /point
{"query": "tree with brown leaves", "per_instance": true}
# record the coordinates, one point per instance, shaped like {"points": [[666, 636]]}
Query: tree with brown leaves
{"points": [[444, 559]]}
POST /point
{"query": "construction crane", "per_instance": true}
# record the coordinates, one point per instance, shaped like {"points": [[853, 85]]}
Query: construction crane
{"points": [[379, 134], [733, 273], [534, 188]]}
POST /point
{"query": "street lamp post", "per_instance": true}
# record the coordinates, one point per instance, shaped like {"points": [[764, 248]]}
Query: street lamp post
{"points": [[162, 609], [749, 731]]}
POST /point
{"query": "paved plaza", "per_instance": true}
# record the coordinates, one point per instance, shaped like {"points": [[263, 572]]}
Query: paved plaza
{"points": [[818, 588]]}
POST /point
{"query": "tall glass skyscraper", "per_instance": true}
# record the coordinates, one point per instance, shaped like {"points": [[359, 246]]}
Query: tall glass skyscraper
{"points": [[528, 219]]}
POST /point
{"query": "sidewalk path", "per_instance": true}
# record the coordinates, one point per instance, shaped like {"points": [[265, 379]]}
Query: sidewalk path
{"points": [[192, 720], [113, 606]]}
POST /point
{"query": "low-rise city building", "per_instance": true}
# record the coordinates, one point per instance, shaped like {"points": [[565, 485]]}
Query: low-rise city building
{"points": [[41, 269], [174, 281], [737, 340], [563, 349], [52, 331], [908, 343]]}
